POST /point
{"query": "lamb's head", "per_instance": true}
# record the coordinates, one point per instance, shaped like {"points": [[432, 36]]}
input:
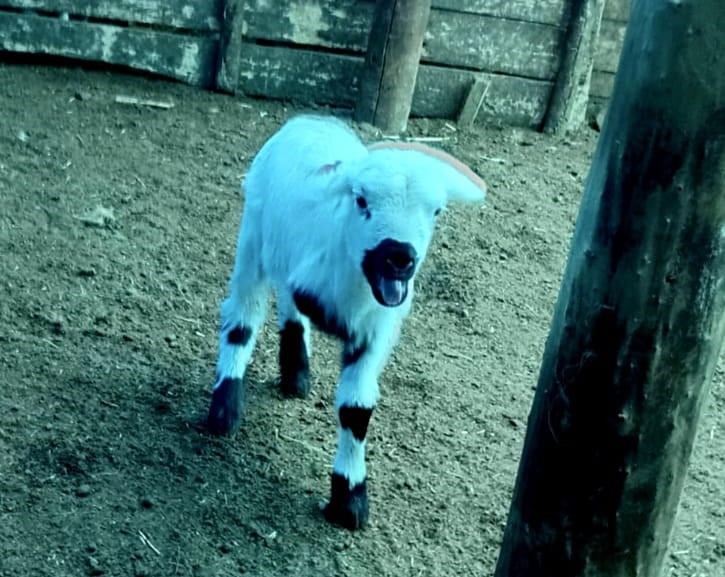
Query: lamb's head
{"points": [[394, 195]]}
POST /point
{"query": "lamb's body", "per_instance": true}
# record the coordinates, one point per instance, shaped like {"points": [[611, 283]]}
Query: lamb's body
{"points": [[338, 231], [300, 189]]}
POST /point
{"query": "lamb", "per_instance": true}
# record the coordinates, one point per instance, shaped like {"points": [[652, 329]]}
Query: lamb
{"points": [[339, 231]]}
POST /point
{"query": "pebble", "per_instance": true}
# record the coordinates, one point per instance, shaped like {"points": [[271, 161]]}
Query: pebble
{"points": [[83, 490], [94, 567]]}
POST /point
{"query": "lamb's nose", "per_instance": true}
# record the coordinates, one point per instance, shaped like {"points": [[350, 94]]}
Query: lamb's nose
{"points": [[400, 259]]}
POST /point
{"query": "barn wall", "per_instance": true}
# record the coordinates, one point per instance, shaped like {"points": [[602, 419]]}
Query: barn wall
{"points": [[313, 50], [609, 48], [173, 38]]}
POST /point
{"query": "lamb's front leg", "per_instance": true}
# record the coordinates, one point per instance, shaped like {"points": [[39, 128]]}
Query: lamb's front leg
{"points": [[357, 395]]}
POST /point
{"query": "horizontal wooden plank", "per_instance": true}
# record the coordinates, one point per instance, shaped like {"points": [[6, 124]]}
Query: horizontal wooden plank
{"points": [[205, 14], [308, 76], [440, 92], [609, 45], [552, 12], [341, 24], [493, 44], [617, 10], [602, 84], [335, 17], [191, 59], [187, 14], [453, 38], [300, 75]]}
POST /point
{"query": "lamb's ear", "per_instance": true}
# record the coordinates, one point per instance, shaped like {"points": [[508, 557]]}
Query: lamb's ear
{"points": [[459, 181]]}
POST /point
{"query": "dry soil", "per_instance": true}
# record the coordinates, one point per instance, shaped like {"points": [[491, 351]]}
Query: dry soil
{"points": [[117, 235]]}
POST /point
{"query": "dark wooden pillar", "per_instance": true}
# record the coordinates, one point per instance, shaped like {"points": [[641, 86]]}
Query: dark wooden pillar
{"points": [[570, 95], [230, 46], [391, 63], [640, 318]]}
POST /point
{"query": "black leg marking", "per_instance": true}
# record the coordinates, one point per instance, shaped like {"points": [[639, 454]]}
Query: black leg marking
{"points": [[352, 353], [225, 411], [356, 420], [310, 306], [239, 335], [347, 507], [294, 365]]}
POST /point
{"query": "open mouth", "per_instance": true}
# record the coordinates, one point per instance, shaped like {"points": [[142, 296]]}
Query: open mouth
{"points": [[390, 292], [388, 269]]}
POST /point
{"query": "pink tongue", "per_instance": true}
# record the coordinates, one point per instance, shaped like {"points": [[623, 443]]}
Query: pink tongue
{"points": [[393, 291]]}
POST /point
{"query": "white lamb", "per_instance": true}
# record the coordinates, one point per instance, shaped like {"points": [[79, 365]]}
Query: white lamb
{"points": [[339, 231]]}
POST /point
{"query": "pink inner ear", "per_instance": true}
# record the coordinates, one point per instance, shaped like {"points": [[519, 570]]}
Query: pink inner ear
{"points": [[327, 168], [439, 154]]}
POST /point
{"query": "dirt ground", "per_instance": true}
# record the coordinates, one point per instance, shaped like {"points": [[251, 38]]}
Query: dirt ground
{"points": [[117, 235]]}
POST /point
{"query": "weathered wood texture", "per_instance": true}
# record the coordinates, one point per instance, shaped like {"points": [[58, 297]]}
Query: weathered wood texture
{"points": [[491, 39], [302, 75], [371, 76], [391, 63], [185, 14], [640, 319], [493, 44], [512, 44], [307, 76], [568, 105], [346, 23], [609, 47], [473, 102], [191, 59], [617, 10], [461, 39], [230, 46], [607, 53], [543, 11], [509, 100], [602, 84]]}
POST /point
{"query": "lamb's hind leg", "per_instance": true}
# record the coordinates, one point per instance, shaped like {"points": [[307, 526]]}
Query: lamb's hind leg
{"points": [[242, 314], [294, 348]]}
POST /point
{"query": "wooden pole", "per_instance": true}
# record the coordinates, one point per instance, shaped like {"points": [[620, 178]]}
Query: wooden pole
{"points": [[391, 64], [570, 95], [230, 46], [640, 318]]}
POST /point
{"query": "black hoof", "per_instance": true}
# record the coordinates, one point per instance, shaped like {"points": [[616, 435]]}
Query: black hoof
{"points": [[347, 507], [225, 411]]}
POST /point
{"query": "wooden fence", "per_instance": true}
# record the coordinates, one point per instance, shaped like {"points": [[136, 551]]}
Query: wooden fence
{"points": [[314, 50], [609, 47]]}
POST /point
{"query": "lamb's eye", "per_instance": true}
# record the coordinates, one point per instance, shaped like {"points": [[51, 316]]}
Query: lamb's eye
{"points": [[361, 202], [437, 212]]}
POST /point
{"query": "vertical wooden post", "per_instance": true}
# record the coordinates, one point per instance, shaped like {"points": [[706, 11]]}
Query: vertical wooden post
{"points": [[391, 63], [230, 46], [570, 95], [640, 318]]}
